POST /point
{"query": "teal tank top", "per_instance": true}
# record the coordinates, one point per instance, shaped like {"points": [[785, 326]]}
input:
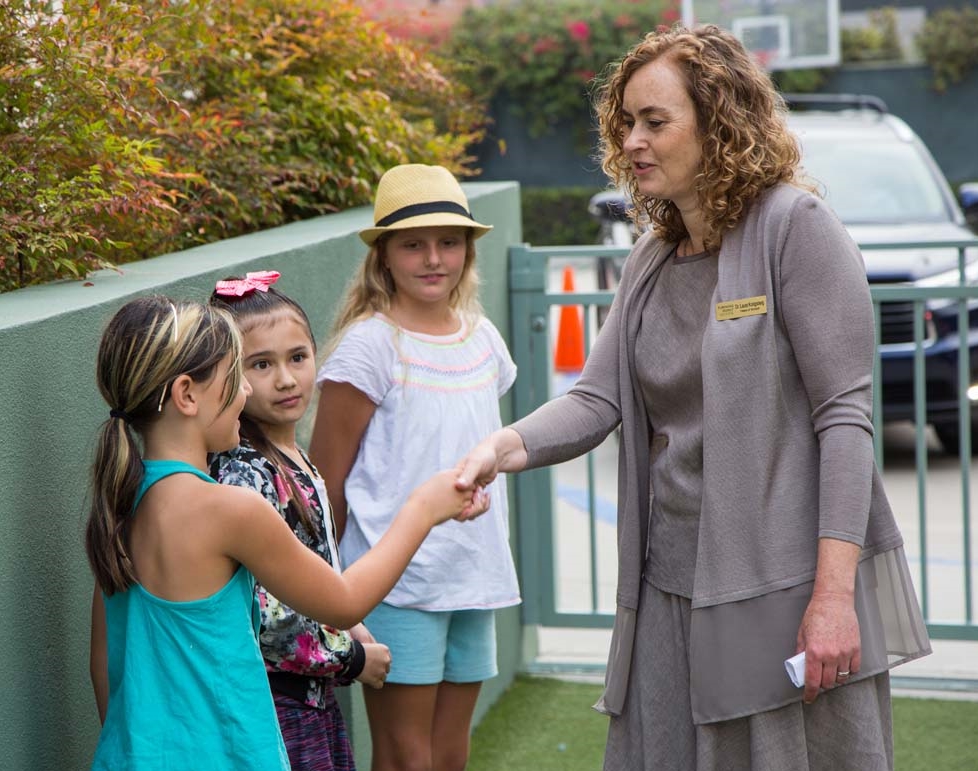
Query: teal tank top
{"points": [[187, 685]]}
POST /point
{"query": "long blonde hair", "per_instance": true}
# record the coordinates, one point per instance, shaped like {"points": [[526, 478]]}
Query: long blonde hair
{"points": [[372, 289], [146, 345], [746, 144]]}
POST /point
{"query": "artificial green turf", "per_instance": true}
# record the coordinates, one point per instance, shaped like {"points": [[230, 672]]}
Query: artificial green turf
{"points": [[935, 735], [541, 724], [544, 724]]}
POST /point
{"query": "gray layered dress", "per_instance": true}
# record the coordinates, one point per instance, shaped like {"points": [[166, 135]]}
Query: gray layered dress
{"points": [[754, 433]]}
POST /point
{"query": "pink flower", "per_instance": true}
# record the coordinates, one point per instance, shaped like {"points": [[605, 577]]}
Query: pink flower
{"points": [[670, 15], [623, 20], [579, 30], [763, 58], [544, 45]]}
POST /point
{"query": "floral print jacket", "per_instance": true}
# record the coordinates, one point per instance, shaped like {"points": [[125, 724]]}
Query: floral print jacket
{"points": [[304, 658]]}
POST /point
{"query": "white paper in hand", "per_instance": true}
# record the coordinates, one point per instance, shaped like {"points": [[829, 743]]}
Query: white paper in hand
{"points": [[796, 669]]}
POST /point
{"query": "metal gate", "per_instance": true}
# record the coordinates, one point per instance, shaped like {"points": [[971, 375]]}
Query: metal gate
{"points": [[573, 585]]}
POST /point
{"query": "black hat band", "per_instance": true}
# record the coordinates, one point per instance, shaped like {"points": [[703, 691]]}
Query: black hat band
{"points": [[417, 209]]}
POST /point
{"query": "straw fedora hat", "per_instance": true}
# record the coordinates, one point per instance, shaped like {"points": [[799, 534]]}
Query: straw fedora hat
{"points": [[414, 195]]}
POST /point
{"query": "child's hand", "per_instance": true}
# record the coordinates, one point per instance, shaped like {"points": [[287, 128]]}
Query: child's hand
{"points": [[376, 666], [479, 467], [478, 507], [441, 499], [360, 633]]}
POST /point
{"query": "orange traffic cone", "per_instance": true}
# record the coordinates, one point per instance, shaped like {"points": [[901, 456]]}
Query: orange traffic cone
{"points": [[569, 353]]}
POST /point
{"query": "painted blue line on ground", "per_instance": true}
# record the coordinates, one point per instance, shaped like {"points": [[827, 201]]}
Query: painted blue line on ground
{"points": [[605, 510]]}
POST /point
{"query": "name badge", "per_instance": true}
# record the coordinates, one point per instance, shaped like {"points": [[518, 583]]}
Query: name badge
{"points": [[735, 309]]}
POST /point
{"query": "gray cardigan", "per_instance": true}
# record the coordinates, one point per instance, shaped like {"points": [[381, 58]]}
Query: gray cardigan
{"points": [[787, 435]]}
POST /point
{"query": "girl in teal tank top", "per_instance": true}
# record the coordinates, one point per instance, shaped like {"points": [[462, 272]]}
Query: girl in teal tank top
{"points": [[211, 698], [178, 676]]}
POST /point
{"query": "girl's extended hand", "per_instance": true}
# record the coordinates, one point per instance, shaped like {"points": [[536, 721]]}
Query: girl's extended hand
{"points": [[376, 666], [829, 635], [442, 498], [480, 504]]}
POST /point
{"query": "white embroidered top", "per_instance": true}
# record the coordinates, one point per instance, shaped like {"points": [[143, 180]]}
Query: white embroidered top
{"points": [[436, 397]]}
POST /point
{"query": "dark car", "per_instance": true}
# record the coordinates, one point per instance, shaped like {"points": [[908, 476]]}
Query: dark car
{"points": [[886, 188]]}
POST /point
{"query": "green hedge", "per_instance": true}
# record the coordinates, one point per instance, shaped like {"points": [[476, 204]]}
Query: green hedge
{"points": [[949, 43], [557, 216], [544, 57], [133, 129]]}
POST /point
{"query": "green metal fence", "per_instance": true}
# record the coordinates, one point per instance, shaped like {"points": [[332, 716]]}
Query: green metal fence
{"points": [[535, 298]]}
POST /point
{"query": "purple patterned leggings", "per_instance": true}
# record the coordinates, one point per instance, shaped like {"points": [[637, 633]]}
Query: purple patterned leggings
{"points": [[316, 739]]}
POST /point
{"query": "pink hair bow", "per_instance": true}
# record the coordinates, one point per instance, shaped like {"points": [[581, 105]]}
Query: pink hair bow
{"points": [[239, 287]]}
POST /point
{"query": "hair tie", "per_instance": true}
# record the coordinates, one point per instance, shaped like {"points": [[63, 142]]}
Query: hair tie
{"points": [[121, 414], [258, 281]]}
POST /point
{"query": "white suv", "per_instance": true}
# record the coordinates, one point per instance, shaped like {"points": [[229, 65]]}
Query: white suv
{"points": [[886, 188]]}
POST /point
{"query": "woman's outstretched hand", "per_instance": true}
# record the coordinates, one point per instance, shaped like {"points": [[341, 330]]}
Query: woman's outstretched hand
{"points": [[475, 467], [478, 468], [501, 451]]}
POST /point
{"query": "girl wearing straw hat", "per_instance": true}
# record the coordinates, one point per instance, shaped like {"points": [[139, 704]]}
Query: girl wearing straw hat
{"points": [[412, 379]]}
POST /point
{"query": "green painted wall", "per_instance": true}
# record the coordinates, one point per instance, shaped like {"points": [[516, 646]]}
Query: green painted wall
{"points": [[50, 409]]}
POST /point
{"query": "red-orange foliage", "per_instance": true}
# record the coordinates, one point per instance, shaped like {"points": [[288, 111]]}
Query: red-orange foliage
{"points": [[132, 129]]}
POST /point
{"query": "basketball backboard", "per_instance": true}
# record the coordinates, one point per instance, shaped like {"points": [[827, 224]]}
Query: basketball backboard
{"points": [[783, 34]]}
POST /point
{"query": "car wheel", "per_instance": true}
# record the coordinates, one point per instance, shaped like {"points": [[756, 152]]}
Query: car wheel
{"points": [[950, 437]]}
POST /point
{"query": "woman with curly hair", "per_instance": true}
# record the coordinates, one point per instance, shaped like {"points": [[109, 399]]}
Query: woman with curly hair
{"points": [[737, 359]]}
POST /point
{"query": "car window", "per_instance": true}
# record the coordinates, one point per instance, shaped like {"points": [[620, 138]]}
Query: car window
{"points": [[870, 182]]}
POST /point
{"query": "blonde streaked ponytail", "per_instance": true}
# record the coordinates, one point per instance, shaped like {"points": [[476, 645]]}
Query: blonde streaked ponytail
{"points": [[146, 345]]}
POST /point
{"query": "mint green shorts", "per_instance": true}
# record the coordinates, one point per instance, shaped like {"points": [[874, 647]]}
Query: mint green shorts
{"points": [[427, 646]]}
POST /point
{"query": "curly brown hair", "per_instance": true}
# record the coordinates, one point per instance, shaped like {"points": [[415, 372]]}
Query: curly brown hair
{"points": [[740, 116]]}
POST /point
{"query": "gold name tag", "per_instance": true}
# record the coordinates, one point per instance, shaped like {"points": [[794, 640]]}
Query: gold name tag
{"points": [[735, 309]]}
